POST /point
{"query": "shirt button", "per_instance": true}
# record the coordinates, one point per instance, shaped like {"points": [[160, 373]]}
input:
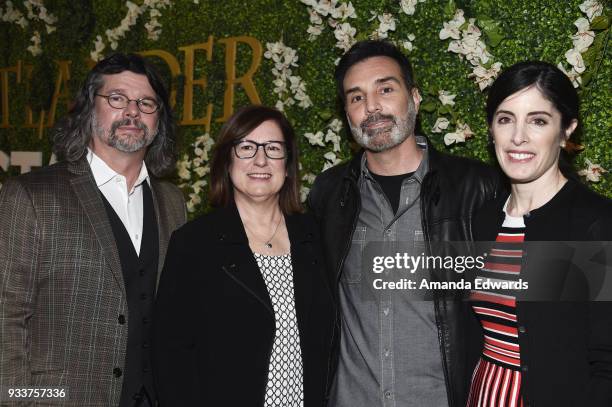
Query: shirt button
{"points": [[143, 296], [388, 395], [145, 320], [117, 372], [386, 311], [121, 319], [145, 345], [117, 179], [141, 272], [524, 368], [522, 329], [388, 231], [386, 353]]}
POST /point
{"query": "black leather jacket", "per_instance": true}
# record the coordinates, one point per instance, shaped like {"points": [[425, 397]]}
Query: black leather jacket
{"points": [[453, 189]]}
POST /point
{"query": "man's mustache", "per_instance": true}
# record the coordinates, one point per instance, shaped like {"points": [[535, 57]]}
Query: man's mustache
{"points": [[129, 122], [376, 117]]}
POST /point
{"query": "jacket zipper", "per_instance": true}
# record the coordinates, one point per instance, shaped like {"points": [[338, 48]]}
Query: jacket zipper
{"points": [[436, 304]]}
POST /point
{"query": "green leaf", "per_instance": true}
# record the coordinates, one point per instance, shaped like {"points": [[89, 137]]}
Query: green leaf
{"points": [[586, 78], [449, 8], [428, 107], [325, 115], [492, 30], [445, 109], [601, 22], [431, 90], [595, 50]]}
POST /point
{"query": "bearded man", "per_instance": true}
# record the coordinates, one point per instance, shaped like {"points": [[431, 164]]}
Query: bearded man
{"points": [[82, 243], [391, 349]]}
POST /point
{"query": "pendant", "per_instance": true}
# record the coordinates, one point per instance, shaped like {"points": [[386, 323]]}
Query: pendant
{"points": [[268, 245]]}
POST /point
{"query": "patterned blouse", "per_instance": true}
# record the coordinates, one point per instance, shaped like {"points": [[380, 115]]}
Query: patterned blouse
{"points": [[285, 374]]}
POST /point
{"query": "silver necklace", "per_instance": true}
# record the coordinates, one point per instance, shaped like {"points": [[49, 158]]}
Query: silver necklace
{"points": [[268, 244]]}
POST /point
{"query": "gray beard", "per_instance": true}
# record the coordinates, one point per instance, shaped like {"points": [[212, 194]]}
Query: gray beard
{"points": [[382, 139], [127, 144]]}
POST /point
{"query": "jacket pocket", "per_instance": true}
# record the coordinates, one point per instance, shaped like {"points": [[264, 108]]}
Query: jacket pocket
{"points": [[351, 272]]}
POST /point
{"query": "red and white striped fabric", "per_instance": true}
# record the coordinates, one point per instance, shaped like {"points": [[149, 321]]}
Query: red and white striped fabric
{"points": [[496, 381]]}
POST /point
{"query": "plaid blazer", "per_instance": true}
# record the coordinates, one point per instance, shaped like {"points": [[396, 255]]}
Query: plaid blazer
{"points": [[61, 284]]}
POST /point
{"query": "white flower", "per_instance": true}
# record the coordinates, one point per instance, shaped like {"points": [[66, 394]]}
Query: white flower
{"points": [[409, 6], [309, 178], [572, 75], [583, 38], [304, 191], [35, 49], [574, 58], [461, 133], [440, 124], [316, 139], [96, 54], [314, 31], [446, 98], [183, 168], [331, 160], [345, 34], [592, 172], [344, 11], [335, 125], [451, 28], [387, 23], [407, 44], [334, 138], [592, 8], [485, 77]]}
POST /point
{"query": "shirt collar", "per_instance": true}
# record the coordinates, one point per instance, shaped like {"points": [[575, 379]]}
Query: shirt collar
{"points": [[103, 173], [420, 172]]}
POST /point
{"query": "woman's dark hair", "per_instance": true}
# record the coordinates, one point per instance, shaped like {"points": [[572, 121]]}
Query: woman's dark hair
{"points": [[363, 50], [73, 133], [239, 125], [554, 86]]}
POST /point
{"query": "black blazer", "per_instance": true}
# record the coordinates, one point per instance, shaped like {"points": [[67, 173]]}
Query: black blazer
{"points": [[566, 346], [214, 322]]}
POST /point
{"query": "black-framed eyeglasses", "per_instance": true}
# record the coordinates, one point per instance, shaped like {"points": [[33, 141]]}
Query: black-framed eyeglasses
{"points": [[120, 101], [274, 150]]}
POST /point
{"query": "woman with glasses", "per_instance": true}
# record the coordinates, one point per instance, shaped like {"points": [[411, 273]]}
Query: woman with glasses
{"points": [[243, 314]]}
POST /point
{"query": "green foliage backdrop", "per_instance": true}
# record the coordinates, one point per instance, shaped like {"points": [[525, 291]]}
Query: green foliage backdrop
{"points": [[519, 29]]}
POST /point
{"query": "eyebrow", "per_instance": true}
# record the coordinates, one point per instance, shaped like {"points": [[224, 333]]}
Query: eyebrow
{"points": [[528, 114], [377, 81], [122, 91]]}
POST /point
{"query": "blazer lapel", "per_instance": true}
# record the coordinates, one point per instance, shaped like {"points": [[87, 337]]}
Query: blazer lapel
{"points": [[238, 261], [88, 194], [302, 259], [163, 229]]}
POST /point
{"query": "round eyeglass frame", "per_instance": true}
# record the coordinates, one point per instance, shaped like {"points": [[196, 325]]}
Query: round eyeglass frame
{"points": [[128, 100], [237, 143]]}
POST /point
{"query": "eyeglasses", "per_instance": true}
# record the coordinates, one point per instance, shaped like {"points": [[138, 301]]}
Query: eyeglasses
{"points": [[119, 101], [274, 150]]}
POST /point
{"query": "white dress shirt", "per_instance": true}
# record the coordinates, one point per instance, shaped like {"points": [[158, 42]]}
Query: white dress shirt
{"points": [[127, 204]]}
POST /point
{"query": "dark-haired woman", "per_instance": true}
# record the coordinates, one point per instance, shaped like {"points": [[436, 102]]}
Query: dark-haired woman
{"points": [[547, 351], [243, 314]]}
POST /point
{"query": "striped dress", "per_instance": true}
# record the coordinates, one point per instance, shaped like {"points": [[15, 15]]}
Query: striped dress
{"points": [[497, 377]]}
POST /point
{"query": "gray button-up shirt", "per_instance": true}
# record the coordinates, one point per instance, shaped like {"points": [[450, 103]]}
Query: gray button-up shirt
{"points": [[389, 349]]}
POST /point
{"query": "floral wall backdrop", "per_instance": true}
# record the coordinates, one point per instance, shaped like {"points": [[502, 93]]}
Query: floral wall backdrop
{"points": [[217, 56]]}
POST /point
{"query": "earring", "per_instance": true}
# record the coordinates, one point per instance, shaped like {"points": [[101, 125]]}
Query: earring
{"points": [[563, 143]]}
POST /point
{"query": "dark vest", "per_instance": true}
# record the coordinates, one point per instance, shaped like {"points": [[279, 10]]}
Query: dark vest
{"points": [[140, 276]]}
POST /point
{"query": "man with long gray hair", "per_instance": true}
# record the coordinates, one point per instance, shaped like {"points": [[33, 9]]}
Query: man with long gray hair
{"points": [[82, 243]]}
